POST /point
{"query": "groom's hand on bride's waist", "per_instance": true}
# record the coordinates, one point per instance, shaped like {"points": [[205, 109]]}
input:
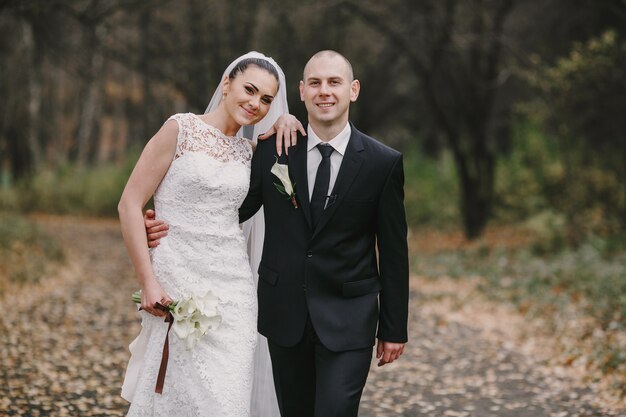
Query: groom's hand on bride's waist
{"points": [[155, 229], [387, 352]]}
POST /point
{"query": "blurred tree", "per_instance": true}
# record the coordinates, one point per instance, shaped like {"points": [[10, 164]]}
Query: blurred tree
{"points": [[454, 48], [88, 79], [29, 37], [582, 103], [95, 18]]}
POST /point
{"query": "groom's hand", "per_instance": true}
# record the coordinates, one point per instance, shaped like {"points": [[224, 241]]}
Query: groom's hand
{"points": [[155, 229], [387, 352]]}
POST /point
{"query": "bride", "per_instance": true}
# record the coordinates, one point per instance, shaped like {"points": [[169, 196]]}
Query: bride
{"points": [[197, 167]]}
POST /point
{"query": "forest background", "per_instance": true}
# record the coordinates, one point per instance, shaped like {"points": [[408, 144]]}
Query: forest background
{"points": [[510, 115]]}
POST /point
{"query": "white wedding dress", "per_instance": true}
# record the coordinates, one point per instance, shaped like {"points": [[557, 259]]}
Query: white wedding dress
{"points": [[205, 250]]}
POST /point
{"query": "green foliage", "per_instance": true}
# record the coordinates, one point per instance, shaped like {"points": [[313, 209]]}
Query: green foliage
{"points": [[581, 103], [529, 188], [430, 186], [431, 191], [558, 196], [584, 92], [69, 189], [25, 251], [527, 176], [549, 226]]}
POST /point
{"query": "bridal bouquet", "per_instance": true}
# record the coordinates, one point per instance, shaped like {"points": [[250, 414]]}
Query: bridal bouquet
{"points": [[192, 317]]}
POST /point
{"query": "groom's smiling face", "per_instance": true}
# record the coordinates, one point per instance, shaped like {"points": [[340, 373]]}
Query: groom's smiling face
{"points": [[328, 88]]}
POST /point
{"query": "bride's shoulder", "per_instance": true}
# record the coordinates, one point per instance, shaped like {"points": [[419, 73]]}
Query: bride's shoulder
{"points": [[180, 117], [182, 120]]}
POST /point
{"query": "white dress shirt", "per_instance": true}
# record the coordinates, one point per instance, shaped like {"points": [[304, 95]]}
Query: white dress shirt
{"points": [[314, 157]]}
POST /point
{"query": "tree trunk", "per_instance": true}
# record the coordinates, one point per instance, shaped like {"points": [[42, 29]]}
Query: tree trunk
{"points": [[476, 170], [34, 96], [623, 223], [92, 106], [147, 116]]}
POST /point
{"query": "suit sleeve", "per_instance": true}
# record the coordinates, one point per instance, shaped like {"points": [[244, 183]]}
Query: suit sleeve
{"points": [[254, 199], [391, 233]]}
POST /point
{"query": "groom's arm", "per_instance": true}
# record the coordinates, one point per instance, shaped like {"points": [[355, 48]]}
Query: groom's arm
{"points": [[254, 199], [391, 233]]}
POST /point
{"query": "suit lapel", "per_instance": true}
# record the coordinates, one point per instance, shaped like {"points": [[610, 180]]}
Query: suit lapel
{"points": [[350, 166], [297, 160]]}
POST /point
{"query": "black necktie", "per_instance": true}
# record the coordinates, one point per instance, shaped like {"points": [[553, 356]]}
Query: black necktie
{"points": [[322, 180]]}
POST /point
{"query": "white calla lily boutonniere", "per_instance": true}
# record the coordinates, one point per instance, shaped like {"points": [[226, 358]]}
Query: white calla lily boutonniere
{"points": [[286, 187]]}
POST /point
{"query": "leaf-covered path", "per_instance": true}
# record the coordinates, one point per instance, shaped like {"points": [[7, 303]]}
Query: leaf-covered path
{"points": [[63, 346]]}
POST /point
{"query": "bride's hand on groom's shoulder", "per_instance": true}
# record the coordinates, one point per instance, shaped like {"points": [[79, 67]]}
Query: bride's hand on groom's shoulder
{"points": [[387, 352], [286, 128], [155, 229]]}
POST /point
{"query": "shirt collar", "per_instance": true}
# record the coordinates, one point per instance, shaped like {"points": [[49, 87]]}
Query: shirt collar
{"points": [[339, 142]]}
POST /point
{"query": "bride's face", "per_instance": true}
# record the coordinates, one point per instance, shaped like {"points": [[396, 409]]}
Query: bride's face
{"points": [[249, 95]]}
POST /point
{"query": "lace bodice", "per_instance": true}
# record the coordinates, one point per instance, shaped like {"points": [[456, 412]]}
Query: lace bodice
{"points": [[207, 182], [197, 136]]}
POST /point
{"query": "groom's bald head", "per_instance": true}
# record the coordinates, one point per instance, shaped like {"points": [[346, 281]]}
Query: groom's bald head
{"points": [[329, 53]]}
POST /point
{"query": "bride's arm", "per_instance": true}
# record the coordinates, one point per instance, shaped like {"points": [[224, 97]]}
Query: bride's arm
{"points": [[286, 128], [144, 180]]}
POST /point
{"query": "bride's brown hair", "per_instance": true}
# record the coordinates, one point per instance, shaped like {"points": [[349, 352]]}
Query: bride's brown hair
{"points": [[242, 65]]}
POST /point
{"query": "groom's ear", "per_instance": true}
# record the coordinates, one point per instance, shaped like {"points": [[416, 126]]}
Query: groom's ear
{"points": [[301, 90], [355, 88]]}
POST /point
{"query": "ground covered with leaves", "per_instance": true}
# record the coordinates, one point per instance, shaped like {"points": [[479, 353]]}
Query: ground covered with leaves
{"points": [[63, 345]]}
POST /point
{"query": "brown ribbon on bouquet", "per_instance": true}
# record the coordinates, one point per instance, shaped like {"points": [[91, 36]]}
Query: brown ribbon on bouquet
{"points": [[166, 349]]}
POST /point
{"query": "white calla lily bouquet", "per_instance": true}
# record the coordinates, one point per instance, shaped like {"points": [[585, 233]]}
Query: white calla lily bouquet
{"points": [[192, 316]]}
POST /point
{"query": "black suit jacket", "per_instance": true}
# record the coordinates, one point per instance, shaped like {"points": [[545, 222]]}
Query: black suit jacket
{"points": [[331, 272]]}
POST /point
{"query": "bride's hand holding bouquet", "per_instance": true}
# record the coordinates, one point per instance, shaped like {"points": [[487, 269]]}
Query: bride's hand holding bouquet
{"points": [[153, 299]]}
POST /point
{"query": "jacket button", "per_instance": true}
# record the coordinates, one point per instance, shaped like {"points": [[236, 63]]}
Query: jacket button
{"points": [[309, 254]]}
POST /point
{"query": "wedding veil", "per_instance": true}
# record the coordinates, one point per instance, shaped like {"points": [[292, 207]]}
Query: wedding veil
{"points": [[264, 403]]}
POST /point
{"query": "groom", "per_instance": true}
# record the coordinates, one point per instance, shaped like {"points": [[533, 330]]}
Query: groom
{"points": [[334, 270], [321, 284]]}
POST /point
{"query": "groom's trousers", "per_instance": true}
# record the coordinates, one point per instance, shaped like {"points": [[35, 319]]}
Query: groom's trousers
{"points": [[312, 381]]}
